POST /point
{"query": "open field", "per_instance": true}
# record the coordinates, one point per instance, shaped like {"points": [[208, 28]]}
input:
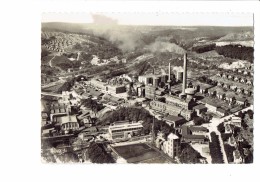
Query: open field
{"points": [[140, 153]]}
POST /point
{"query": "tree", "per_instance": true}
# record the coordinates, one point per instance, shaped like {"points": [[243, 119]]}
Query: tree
{"points": [[189, 155], [221, 128], [215, 150], [198, 120], [250, 113], [98, 154]]}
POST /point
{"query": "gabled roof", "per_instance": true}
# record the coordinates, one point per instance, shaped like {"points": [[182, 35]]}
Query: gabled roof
{"points": [[172, 136]]}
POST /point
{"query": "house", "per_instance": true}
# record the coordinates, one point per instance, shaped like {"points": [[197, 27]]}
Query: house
{"points": [[220, 84], [172, 145], [222, 111], [228, 128], [230, 77], [233, 88], [219, 74], [200, 109], [174, 121], [237, 78], [249, 82], [240, 71], [247, 92], [240, 90], [237, 157], [241, 101], [240, 138], [236, 121], [226, 86], [159, 140], [232, 141], [230, 97], [246, 72], [212, 91], [243, 80], [224, 75], [221, 95], [212, 106]]}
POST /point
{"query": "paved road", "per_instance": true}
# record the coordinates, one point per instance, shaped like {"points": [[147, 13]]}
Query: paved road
{"points": [[50, 62], [212, 127], [51, 94]]}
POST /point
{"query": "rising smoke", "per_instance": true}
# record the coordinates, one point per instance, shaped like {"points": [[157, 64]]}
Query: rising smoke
{"points": [[129, 39]]}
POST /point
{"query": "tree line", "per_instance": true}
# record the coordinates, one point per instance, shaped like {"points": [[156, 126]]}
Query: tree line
{"points": [[98, 154], [136, 114], [236, 52], [215, 150], [204, 48]]}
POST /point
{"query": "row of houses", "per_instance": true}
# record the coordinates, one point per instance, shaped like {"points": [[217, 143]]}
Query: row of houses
{"points": [[227, 96], [236, 78], [234, 141], [235, 88]]}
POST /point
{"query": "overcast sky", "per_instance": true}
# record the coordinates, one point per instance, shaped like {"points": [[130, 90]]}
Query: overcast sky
{"points": [[189, 19]]}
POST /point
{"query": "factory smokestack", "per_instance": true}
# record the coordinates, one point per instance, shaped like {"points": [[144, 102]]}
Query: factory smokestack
{"points": [[169, 73], [184, 73]]}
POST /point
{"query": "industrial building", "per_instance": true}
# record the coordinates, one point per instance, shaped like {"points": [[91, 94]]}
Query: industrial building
{"points": [[171, 109], [124, 130], [170, 146], [174, 121], [68, 123], [108, 88]]}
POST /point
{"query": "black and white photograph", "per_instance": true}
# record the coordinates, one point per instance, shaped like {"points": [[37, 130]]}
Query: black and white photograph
{"points": [[147, 88]]}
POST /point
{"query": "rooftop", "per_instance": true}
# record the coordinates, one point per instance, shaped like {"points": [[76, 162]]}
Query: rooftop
{"points": [[173, 118], [200, 106], [222, 110], [198, 128], [194, 137], [202, 85], [67, 119], [172, 136]]}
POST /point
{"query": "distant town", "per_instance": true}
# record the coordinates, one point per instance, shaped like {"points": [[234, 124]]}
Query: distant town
{"points": [[166, 100]]}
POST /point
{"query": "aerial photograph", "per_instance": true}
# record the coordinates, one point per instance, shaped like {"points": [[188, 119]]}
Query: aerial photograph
{"points": [[147, 88]]}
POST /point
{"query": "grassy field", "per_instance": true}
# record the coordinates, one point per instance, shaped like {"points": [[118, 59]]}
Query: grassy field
{"points": [[140, 153]]}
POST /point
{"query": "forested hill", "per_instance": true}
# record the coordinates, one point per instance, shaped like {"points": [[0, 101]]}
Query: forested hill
{"points": [[236, 52]]}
